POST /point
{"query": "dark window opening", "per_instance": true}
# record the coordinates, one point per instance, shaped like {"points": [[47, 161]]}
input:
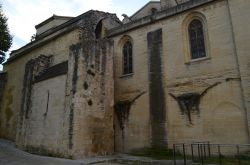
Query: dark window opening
{"points": [[153, 10], [98, 30], [127, 58], [196, 37]]}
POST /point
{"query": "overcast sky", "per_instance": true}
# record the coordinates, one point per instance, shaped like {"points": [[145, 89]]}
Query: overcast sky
{"points": [[23, 15]]}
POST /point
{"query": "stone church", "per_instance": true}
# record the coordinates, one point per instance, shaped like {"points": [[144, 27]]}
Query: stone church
{"points": [[176, 71]]}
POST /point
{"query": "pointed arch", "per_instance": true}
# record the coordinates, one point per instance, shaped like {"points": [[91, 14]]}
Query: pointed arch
{"points": [[126, 47], [196, 39], [195, 33]]}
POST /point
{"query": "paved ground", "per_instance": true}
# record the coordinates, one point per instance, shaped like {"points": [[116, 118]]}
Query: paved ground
{"points": [[9, 155]]}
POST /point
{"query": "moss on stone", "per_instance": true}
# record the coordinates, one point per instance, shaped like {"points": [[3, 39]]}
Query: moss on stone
{"points": [[155, 153]]}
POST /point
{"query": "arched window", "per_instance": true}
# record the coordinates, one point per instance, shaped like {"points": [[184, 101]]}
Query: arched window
{"points": [[127, 58], [196, 38]]}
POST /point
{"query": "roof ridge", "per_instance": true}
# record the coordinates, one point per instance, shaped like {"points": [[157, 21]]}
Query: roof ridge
{"points": [[154, 1]]}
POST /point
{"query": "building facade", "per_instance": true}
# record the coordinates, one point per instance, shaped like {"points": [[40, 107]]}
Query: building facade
{"points": [[174, 72]]}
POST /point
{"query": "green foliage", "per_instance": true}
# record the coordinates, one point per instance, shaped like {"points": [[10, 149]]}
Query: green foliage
{"points": [[155, 153], [5, 37], [225, 160], [167, 154]]}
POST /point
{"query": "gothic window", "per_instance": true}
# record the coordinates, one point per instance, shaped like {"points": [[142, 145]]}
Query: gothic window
{"points": [[127, 58], [196, 38]]}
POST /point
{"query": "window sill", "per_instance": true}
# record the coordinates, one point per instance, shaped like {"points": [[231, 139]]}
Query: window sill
{"points": [[127, 75], [197, 60]]}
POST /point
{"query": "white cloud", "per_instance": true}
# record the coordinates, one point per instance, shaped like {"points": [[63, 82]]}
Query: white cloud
{"points": [[23, 15]]}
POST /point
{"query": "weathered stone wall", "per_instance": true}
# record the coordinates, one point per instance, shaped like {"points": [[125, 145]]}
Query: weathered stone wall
{"points": [[91, 97], [132, 129], [58, 48], [5, 117], [68, 97], [43, 107], [165, 4], [90, 89], [215, 80], [44, 128], [239, 12], [64, 98], [212, 85]]}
